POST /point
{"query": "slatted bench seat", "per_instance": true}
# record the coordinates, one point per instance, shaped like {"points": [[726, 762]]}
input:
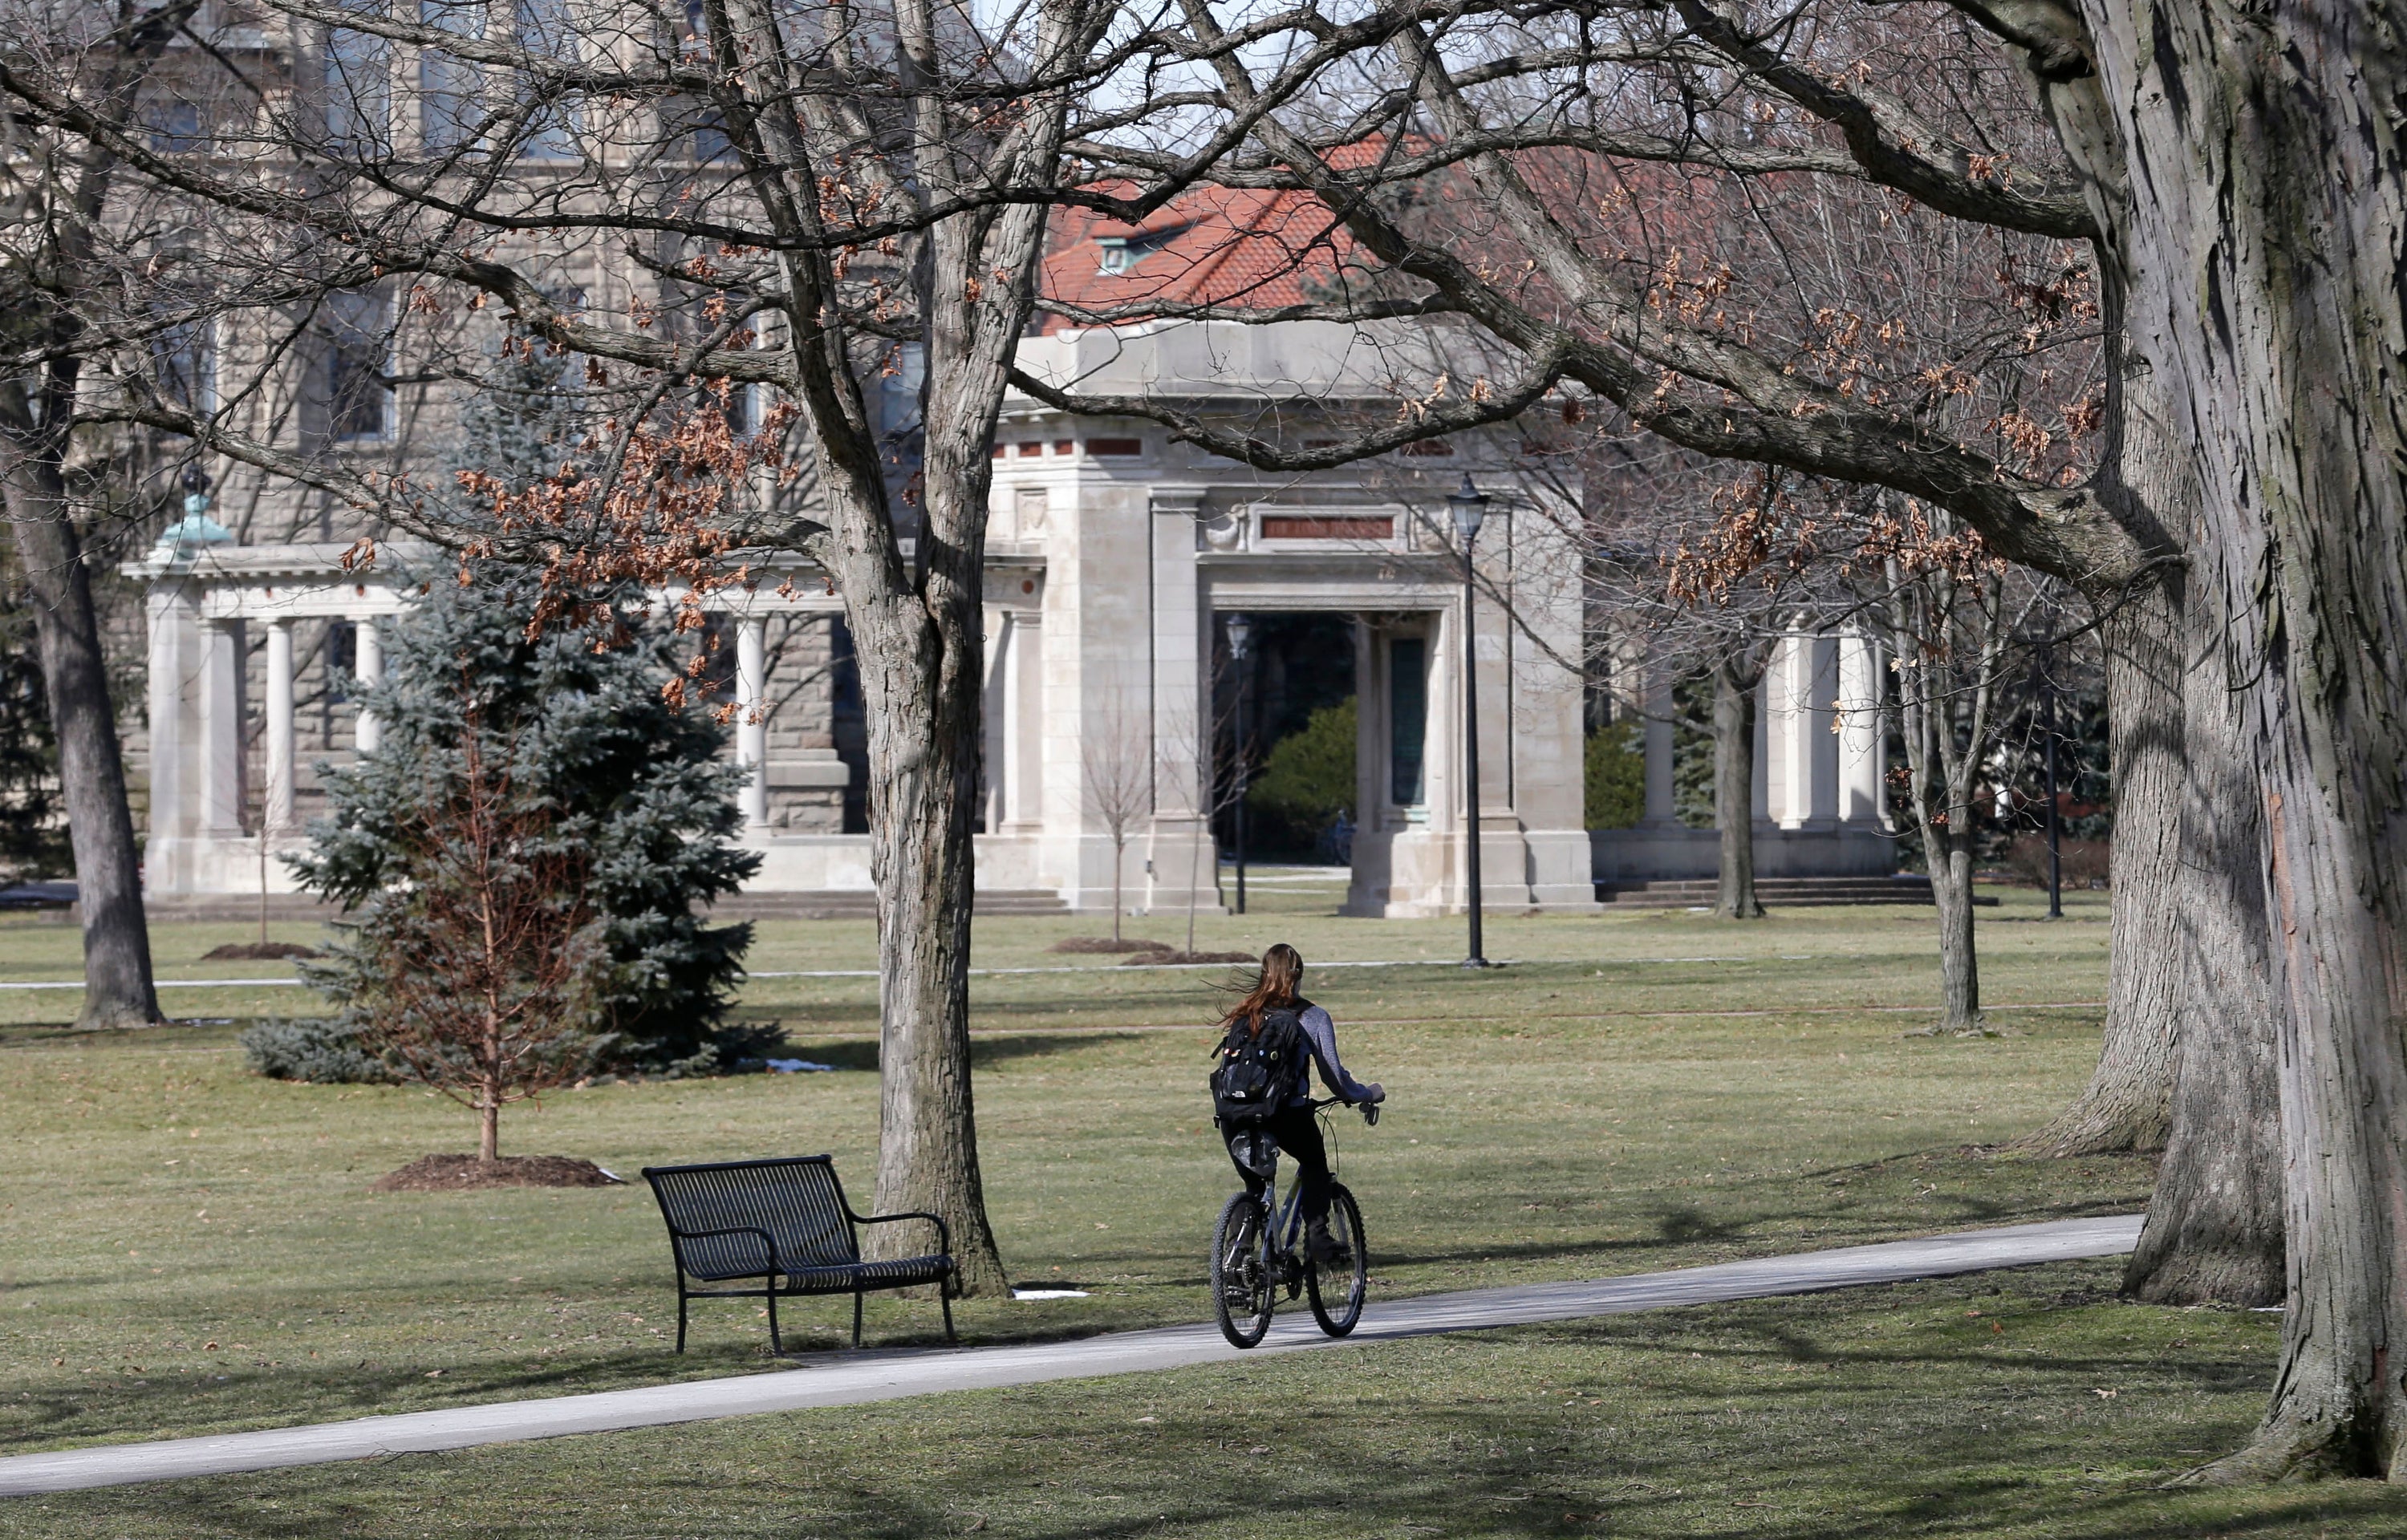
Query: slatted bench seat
{"points": [[784, 1224]]}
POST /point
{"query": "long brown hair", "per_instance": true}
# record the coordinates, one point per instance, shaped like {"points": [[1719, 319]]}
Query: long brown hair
{"points": [[1282, 971]]}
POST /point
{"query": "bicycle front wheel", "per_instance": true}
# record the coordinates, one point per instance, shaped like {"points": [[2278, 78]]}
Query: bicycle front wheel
{"points": [[1337, 1286], [1241, 1286]]}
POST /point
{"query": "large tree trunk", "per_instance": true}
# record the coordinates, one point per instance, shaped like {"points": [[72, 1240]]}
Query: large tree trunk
{"points": [[1950, 858], [922, 697], [2125, 1104], [2214, 1225], [118, 989], [1734, 789], [2268, 170]]}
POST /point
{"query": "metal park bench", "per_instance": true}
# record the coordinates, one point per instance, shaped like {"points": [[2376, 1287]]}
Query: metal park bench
{"points": [[785, 1223]]}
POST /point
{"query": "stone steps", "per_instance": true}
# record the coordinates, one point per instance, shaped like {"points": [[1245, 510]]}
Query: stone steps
{"points": [[860, 904], [846, 904], [1774, 892]]}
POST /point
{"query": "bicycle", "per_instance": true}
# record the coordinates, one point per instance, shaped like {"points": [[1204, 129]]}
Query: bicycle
{"points": [[1254, 1252]]}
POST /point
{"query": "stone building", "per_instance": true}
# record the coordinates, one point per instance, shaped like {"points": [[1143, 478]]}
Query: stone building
{"points": [[1114, 559]]}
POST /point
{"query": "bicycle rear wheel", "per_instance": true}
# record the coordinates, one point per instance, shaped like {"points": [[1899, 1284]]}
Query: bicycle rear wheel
{"points": [[1338, 1285], [1240, 1290]]}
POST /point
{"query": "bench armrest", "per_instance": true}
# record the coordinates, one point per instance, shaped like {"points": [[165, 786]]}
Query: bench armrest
{"points": [[768, 1243], [943, 1232]]}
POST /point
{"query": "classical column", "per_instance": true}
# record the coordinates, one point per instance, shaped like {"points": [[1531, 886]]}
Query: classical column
{"points": [[170, 607], [1765, 814], [278, 813], [1804, 677], [995, 761], [752, 718], [1662, 799], [1862, 731], [1023, 724], [368, 667], [1784, 775], [1181, 653], [220, 734]]}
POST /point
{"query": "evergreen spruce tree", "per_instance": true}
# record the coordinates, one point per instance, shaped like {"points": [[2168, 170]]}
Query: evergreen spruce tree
{"points": [[577, 716]]}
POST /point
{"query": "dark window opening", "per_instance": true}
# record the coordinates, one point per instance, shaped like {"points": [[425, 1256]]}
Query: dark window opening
{"points": [[359, 356], [176, 127], [850, 724], [1407, 717]]}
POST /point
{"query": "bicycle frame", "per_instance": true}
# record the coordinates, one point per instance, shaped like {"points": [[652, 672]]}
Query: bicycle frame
{"points": [[1279, 1237]]}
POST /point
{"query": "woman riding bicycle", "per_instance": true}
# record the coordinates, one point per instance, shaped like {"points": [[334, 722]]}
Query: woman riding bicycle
{"points": [[1293, 1125]]}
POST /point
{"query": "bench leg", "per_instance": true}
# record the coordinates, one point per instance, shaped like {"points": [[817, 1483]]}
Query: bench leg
{"points": [[681, 1312], [777, 1343], [945, 1293], [856, 1318]]}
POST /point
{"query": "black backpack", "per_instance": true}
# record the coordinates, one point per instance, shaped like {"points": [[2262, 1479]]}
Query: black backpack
{"points": [[1260, 1072]]}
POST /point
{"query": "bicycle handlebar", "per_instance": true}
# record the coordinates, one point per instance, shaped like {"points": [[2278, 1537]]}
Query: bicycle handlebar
{"points": [[1370, 1110]]}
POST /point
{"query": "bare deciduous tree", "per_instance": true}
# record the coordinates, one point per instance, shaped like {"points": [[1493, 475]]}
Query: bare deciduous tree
{"points": [[1714, 335], [1946, 622], [481, 974], [1117, 764]]}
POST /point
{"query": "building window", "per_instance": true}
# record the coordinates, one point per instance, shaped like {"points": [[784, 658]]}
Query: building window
{"points": [[1115, 448], [359, 366], [711, 144], [543, 30], [185, 358], [176, 127], [359, 95], [341, 658], [1120, 254], [1407, 717], [450, 88]]}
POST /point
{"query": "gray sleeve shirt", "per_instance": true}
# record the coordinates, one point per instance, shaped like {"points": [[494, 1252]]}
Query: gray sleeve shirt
{"points": [[1322, 1034]]}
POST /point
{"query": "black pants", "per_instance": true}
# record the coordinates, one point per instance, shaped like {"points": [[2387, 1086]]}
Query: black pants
{"points": [[1298, 1132]]}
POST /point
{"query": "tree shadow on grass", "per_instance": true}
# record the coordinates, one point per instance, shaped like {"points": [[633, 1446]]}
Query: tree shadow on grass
{"points": [[987, 1050], [1635, 1425]]}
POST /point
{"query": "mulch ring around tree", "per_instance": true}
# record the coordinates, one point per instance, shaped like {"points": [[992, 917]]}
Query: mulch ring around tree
{"points": [[463, 1173], [256, 951], [1083, 945], [1195, 957]]}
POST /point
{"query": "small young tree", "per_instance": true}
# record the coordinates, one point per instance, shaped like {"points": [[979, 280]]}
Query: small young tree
{"points": [[484, 975], [631, 781], [1945, 621], [1117, 764]]}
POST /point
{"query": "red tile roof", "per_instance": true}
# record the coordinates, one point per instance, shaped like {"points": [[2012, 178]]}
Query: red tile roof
{"points": [[1215, 245]]}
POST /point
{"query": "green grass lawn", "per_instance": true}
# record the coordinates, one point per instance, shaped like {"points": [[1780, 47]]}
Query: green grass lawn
{"points": [[187, 1249]]}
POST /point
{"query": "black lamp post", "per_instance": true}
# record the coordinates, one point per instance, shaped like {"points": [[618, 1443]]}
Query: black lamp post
{"points": [[1469, 506], [1241, 634], [2055, 829], [196, 492]]}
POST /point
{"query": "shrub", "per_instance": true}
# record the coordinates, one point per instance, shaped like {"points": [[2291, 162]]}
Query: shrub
{"points": [[1308, 779], [1615, 778], [327, 1051]]}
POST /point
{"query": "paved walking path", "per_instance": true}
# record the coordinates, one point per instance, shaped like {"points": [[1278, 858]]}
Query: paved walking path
{"points": [[846, 1379]]}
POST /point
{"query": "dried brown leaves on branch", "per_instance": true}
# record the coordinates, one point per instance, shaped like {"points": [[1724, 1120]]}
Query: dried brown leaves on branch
{"points": [[482, 975], [660, 517]]}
